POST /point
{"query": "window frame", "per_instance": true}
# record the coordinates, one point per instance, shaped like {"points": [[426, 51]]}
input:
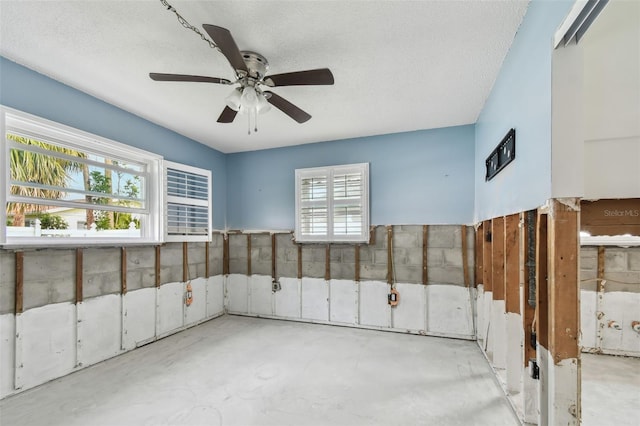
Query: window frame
{"points": [[188, 202], [153, 191], [330, 172]]}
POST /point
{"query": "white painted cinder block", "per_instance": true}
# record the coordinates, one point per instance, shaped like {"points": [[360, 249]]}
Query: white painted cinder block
{"points": [[315, 299], [449, 310], [170, 308], [99, 329], [287, 299], [343, 301], [623, 308], [260, 295], [237, 290], [588, 319], [486, 332], [7, 352], [197, 311], [139, 321], [515, 361], [215, 296], [410, 313], [374, 306], [480, 324], [499, 334], [48, 343]]}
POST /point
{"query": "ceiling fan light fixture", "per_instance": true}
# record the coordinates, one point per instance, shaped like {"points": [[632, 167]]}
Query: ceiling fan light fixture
{"points": [[249, 98], [263, 105], [234, 100]]}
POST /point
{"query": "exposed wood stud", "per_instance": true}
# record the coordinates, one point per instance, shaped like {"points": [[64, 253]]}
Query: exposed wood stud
{"points": [[299, 261], [225, 254], [425, 245], [158, 266], [478, 255], [327, 263], [372, 234], [497, 257], [390, 254], [529, 311], [19, 296], [465, 256], [206, 259], [357, 263], [185, 262], [600, 286], [273, 257], [249, 254], [79, 275], [542, 305], [123, 270], [486, 256], [564, 287], [512, 263]]}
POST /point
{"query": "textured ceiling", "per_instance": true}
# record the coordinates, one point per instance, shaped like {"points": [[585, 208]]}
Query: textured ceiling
{"points": [[398, 65]]}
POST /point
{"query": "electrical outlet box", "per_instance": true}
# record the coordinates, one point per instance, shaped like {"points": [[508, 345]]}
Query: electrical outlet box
{"points": [[275, 286], [534, 369]]}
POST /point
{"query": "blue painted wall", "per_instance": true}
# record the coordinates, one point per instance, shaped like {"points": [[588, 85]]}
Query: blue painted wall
{"points": [[34, 93], [520, 98], [422, 177]]}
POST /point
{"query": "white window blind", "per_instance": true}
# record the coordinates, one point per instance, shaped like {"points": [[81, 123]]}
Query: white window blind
{"points": [[188, 198], [332, 204]]}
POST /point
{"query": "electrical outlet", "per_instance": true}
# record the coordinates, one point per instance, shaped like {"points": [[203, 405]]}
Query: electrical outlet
{"points": [[275, 286]]}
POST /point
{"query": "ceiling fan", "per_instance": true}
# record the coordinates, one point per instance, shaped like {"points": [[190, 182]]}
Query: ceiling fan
{"points": [[250, 70]]}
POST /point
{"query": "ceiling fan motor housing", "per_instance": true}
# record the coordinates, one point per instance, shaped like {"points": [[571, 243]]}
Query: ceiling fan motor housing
{"points": [[256, 64]]}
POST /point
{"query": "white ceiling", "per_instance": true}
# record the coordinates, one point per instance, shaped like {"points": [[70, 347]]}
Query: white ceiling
{"points": [[398, 65]]}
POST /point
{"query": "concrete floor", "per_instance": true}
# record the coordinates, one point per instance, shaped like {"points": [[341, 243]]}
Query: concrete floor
{"points": [[610, 390], [246, 371]]}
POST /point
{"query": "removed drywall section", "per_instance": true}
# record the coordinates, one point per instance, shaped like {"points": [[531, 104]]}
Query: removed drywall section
{"points": [[141, 263], [610, 300], [260, 254], [49, 277], [7, 282], [216, 254], [328, 292], [238, 253], [100, 271], [52, 334]]}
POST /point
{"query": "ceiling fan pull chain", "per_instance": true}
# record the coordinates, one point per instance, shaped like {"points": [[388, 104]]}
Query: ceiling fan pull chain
{"points": [[188, 26]]}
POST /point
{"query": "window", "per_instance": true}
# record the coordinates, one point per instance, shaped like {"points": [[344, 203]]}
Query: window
{"points": [[332, 204], [188, 203], [64, 186]]}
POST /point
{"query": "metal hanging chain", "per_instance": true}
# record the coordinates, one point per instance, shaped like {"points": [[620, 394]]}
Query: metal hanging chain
{"points": [[188, 26]]}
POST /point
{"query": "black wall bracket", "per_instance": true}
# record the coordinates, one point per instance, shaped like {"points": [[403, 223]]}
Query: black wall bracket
{"points": [[504, 153]]}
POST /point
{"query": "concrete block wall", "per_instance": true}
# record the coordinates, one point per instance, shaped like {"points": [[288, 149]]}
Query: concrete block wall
{"points": [[55, 334], [441, 307], [607, 315]]}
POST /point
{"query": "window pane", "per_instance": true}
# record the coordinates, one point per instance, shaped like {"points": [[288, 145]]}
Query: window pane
{"points": [[313, 189], [347, 220], [47, 221], [44, 171], [313, 221], [347, 186]]}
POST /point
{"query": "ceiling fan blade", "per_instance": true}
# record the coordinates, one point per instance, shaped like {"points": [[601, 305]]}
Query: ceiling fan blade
{"points": [[287, 107], [222, 37], [181, 77], [321, 76], [227, 116]]}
